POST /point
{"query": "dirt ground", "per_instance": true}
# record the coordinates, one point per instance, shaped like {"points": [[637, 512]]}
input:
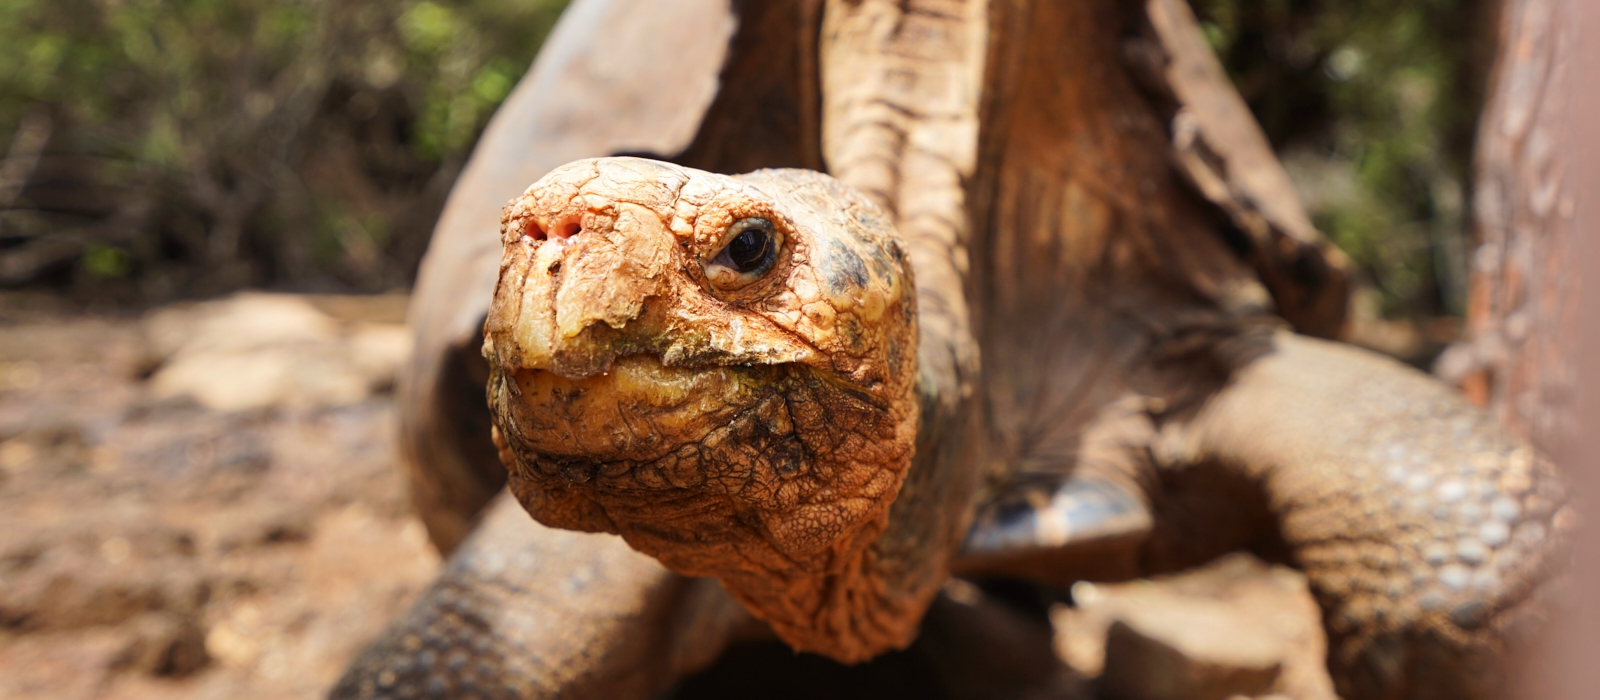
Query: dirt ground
{"points": [[152, 547], [160, 539]]}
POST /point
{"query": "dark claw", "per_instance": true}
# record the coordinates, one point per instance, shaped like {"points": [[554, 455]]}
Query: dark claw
{"points": [[1055, 511]]}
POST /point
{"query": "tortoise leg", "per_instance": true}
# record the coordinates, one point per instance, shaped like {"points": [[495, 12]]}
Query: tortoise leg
{"points": [[1429, 534], [526, 611]]}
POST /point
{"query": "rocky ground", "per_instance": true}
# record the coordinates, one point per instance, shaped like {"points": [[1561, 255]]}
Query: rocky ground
{"points": [[154, 546], [163, 537]]}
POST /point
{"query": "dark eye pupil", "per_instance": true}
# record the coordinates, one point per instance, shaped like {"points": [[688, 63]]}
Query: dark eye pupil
{"points": [[749, 250]]}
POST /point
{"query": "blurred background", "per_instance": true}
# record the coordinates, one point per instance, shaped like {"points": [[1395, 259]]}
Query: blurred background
{"points": [[161, 150], [171, 149]]}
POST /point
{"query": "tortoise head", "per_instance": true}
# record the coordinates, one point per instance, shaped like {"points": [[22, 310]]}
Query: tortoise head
{"points": [[718, 369]]}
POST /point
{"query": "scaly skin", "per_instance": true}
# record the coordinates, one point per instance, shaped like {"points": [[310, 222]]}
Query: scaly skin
{"points": [[757, 434], [503, 622], [1428, 532]]}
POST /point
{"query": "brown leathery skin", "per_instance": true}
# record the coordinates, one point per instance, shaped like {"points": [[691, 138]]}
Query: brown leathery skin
{"points": [[1429, 533], [758, 434], [525, 611]]}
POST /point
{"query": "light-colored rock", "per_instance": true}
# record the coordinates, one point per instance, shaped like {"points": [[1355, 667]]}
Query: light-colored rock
{"points": [[1237, 627], [377, 350], [256, 350], [1187, 650], [240, 323]]}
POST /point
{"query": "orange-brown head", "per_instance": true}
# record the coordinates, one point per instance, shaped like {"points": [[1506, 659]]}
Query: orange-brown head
{"points": [[720, 369]]}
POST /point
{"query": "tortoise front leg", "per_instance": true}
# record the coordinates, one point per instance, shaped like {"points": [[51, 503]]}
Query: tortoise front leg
{"points": [[1429, 534], [526, 611]]}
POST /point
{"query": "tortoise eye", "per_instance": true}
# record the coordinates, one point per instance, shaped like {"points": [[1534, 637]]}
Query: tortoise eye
{"points": [[752, 247]]}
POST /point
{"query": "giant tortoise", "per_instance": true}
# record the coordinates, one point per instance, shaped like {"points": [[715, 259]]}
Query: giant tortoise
{"points": [[1053, 313]]}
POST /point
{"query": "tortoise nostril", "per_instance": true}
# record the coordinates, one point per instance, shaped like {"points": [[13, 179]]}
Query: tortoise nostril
{"points": [[534, 232], [572, 230]]}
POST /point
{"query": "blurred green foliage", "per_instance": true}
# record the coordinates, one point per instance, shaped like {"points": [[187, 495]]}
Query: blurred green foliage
{"points": [[193, 146], [199, 145], [1372, 104]]}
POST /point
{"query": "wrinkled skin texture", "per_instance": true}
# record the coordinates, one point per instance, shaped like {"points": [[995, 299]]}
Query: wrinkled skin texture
{"points": [[756, 434], [1430, 533], [502, 623], [1105, 253]]}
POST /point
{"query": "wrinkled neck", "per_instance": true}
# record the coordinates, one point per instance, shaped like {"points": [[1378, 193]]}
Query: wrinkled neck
{"points": [[905, 133], [873, 601]]}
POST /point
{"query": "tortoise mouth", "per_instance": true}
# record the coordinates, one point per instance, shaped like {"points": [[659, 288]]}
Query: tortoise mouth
{"points": [[695, 465], [639, 412]]}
